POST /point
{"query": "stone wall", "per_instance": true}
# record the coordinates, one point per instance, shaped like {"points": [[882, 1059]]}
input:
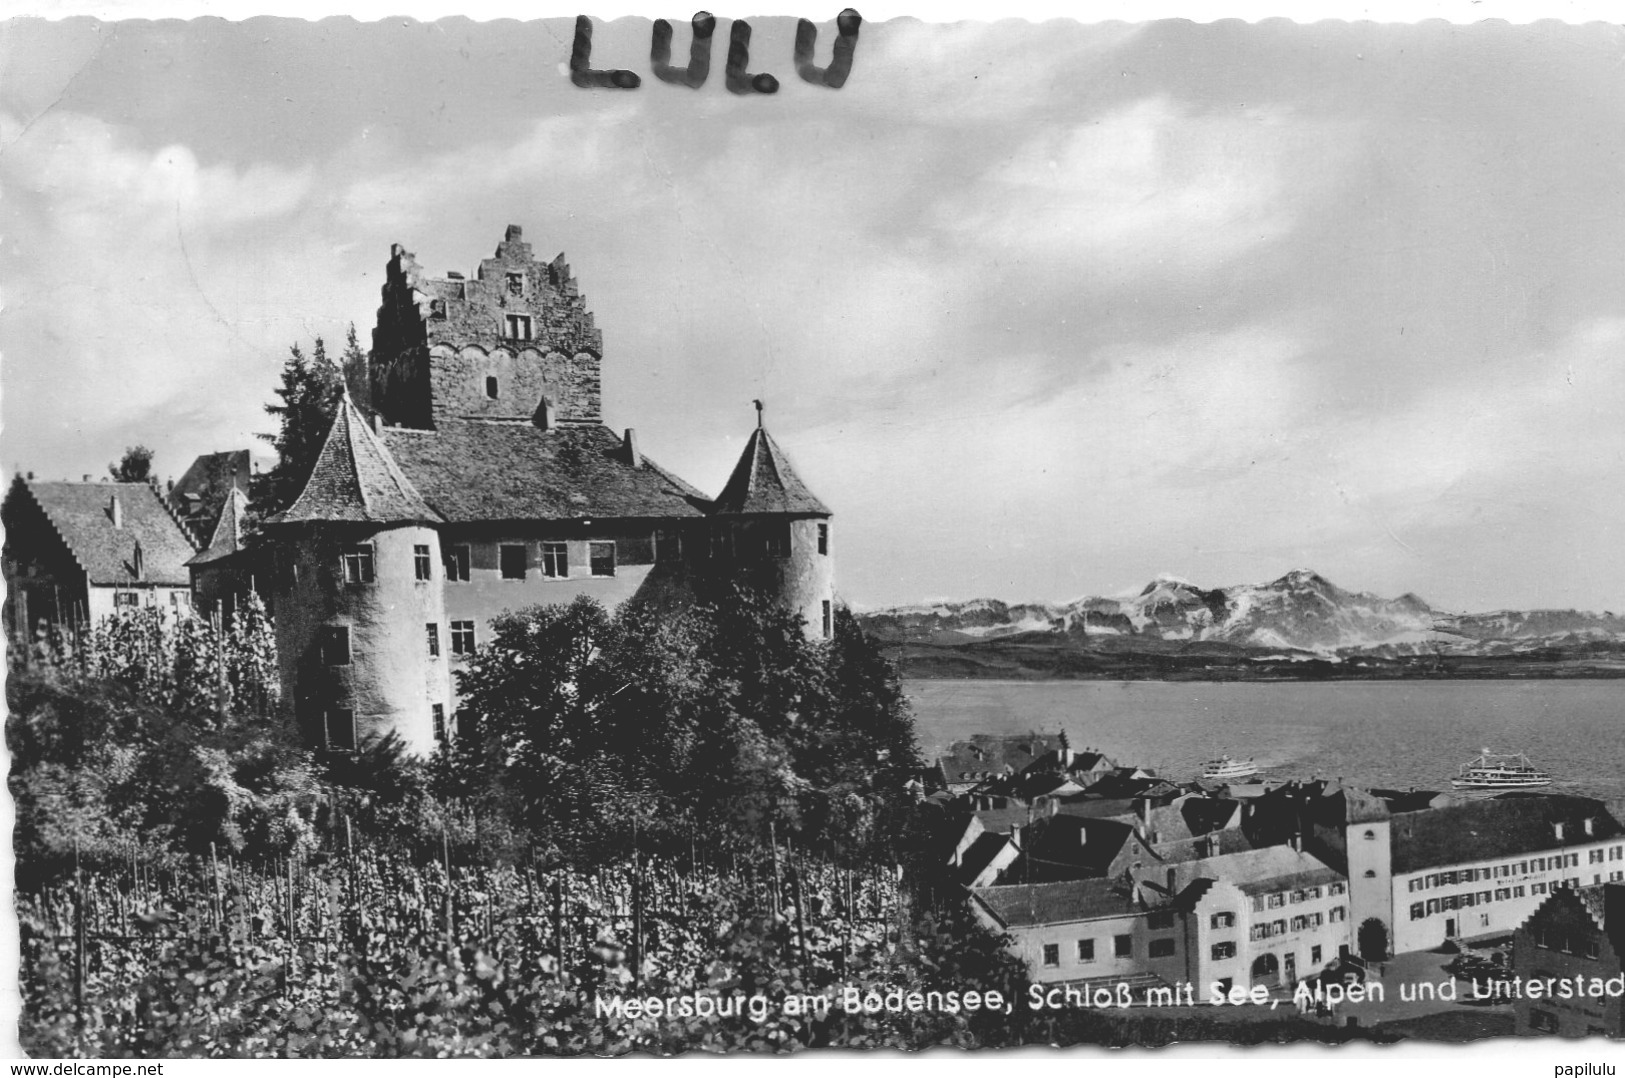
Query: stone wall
{"points": [[391, 682], [519, 320]]}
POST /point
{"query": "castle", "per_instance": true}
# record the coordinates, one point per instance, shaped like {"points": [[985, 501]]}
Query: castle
{"points": [[468, 473]]}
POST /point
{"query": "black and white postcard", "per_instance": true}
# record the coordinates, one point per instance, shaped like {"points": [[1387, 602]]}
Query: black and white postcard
{"points": [[736, 533]]}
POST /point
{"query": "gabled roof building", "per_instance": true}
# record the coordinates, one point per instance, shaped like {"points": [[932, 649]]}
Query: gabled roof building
{"points": [[76, 552]]}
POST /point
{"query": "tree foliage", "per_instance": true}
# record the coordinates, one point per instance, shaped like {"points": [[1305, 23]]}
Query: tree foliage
{"points": [[307, 399], [134, 467], [723, 721]]}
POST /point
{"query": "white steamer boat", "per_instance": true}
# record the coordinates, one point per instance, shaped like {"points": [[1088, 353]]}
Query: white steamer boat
{"points": [[1224, 769], [1500, 771]]}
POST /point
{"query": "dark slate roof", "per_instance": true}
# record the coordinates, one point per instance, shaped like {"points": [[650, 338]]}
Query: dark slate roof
{"points": [[1072, 845], [764, 482], [200, 494], [987, 755], [81, 514], [1021, 904], [981, 853], [356, 479], [471, 470], [1505, 826], [229, 530]]}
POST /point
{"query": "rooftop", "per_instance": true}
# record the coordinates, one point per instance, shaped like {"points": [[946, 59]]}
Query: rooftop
{"points": [[477, 471], [1268, 869], [355, 479], [764, 482], [1502, 826], [1022, 904], [82, 514]]}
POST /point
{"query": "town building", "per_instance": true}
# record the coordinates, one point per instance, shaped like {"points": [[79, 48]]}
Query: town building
{"points": [[1422, 870], [1087, 932], [76, 553], [1573, 946], [1268, 917]]}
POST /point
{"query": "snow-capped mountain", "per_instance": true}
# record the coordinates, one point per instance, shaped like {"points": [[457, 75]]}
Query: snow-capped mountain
{"points": [[1301, 611]]}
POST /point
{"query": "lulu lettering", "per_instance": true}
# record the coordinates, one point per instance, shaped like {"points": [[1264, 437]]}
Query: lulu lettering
{"points": [[738, 76], [699, 53]]}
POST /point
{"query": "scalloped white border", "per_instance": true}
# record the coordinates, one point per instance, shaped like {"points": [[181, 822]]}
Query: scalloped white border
{"points": [[1399, 11]]}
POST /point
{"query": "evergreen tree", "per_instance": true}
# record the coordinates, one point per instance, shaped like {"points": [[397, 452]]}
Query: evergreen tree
{"points": [[309, 397]]}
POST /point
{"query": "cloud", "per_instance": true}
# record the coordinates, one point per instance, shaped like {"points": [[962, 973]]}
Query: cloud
{"points": [[1153, 186]]}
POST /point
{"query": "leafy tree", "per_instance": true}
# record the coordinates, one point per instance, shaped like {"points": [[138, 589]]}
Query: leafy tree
{"points": [[309, 397], [134, 467]]}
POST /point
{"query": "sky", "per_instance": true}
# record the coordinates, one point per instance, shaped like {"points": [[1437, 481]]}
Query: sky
{"points": [[1040, 310]]}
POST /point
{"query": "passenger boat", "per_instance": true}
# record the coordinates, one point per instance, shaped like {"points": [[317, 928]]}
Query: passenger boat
{"points": [[1224, 769], [1500, 771]]}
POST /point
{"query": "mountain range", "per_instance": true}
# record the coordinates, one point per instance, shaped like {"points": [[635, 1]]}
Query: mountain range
{"points": [[1300, 616]]}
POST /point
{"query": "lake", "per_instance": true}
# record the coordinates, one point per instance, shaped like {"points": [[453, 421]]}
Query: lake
{"points": [[1374, 733]]}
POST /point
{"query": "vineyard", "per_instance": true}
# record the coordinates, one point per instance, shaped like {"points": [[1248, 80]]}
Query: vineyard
{"points": [[368, 955]]}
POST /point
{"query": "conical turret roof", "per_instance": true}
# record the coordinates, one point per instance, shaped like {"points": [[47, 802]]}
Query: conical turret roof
{"points": [[355, 478], [228, 534], [764, 482]]}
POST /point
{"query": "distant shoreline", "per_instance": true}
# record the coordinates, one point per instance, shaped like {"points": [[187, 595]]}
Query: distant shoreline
{"points": [[1024, 662]]}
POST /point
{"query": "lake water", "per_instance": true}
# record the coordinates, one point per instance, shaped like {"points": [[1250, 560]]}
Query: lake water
{"points": [[1374, 733]]}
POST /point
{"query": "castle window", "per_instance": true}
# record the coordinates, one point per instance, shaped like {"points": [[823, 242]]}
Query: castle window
{"points": [[1052, 954], [439, 722], [437, 309], [491, 387], [180, 600], [339, 729], [432, 629], [555, 560], [516, 284], [462, 638], [335, 645], [518, 327], [1226, 949], [126, 598], [823, 538], [420, 561], [457, 562], [829, 621], [776, 539], [1086, 950], [1542, 1021], [1162, 948], [601, 558], [1123, 946], [1223, 919], [512, 558], [358, 565]]}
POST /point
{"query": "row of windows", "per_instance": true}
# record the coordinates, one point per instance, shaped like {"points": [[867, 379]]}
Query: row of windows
{"points": [[1469, 899], [339, 734], [1122, 947], [334, 642], [1506, 871], [1306, 894], [1577, 943], [180, 600], [1300, 923], [359, 563]]}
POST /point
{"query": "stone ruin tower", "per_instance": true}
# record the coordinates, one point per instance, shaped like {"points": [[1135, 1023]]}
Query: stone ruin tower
{"points": [[516, 342], [360, 610]]}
